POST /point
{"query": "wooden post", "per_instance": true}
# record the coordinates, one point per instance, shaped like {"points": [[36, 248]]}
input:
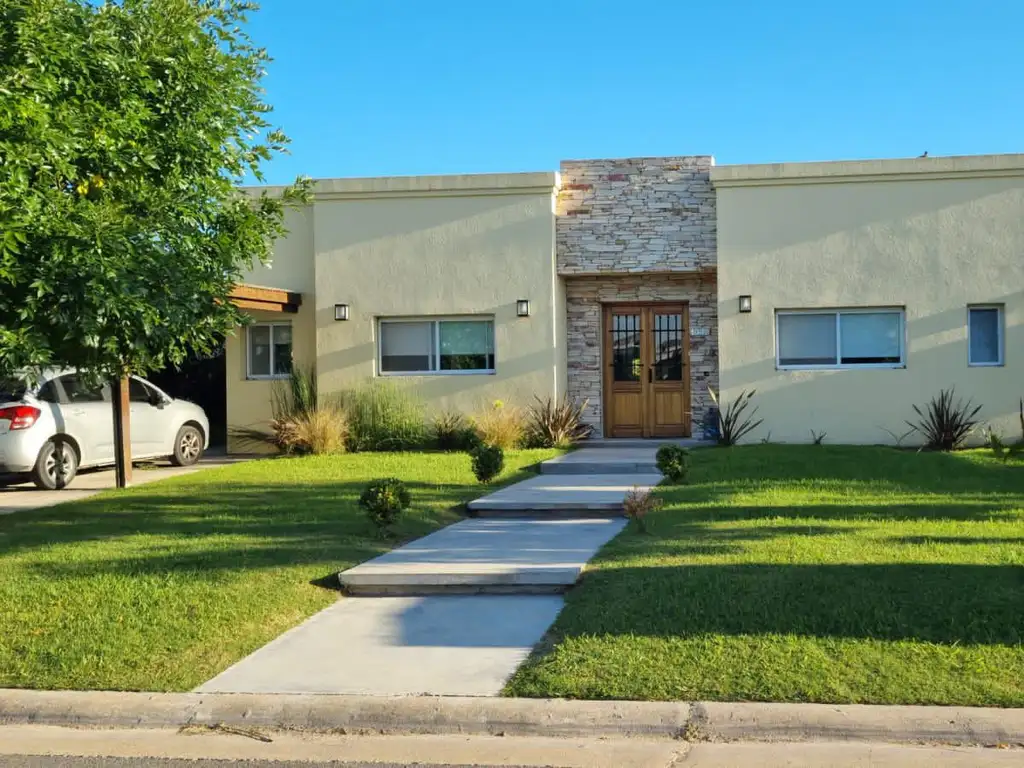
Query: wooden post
{"points": [[122, 432]]}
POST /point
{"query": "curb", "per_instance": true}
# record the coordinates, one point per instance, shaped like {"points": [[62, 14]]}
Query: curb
{"points": [[518, 717]]}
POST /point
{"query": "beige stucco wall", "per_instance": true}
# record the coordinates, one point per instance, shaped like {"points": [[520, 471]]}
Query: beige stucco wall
{"points": [[291, 268], [929, 235], [249, 401], [442, 246], [417, 247]]}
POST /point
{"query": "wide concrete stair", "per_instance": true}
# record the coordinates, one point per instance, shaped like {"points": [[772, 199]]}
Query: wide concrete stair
{"points": [[534, 537], [564, 495], [488, 556]]}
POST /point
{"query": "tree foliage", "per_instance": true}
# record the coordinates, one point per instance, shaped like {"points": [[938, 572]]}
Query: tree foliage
{"points": [[125, 129]]}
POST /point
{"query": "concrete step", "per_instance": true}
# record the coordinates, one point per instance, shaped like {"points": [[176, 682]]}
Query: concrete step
{"points": [[651, 443], [568, 513], [547, 493], [486, 556], [587, 461], [600, 468]]}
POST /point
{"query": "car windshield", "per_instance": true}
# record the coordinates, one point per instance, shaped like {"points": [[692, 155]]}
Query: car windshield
{"points": [[11, 388]]}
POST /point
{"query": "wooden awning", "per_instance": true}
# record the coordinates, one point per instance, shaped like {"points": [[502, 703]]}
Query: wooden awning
{"points": [[265, 299]]}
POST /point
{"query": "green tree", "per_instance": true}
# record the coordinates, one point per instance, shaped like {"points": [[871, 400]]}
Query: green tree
{"points": [[125, 129]]}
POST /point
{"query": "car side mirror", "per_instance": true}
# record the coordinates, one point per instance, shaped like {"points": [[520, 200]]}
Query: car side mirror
{"points": [[156, 400]]}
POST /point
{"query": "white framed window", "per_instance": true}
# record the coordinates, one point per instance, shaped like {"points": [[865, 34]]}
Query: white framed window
{"points": [[839, 338], [444, 345], [269, 350], [985, 334]]}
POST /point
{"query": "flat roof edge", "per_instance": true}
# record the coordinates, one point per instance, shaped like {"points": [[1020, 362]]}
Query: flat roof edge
{"points": [[443, 185], [764, 174]]}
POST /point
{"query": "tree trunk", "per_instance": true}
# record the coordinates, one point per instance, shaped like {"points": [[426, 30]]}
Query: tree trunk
{"points": [[122, 432]]}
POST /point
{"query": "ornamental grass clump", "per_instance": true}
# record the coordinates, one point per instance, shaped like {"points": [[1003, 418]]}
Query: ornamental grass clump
{"points": [[499, 425], [943, 423], [452, 432], [384, 417], [556, 423]]}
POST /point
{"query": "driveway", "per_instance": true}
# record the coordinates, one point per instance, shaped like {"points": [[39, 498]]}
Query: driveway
{"points": [[17, 496]]}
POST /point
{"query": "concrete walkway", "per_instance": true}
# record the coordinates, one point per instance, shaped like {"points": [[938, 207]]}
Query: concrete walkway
{"points": [[456, 612], [457, 645]]}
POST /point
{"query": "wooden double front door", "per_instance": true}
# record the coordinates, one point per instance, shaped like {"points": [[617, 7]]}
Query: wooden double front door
{"points": [[647, 370]]}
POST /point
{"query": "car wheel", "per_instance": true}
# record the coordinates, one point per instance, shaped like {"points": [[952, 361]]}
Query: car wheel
{"points": [[56, 466], [188, 446]]}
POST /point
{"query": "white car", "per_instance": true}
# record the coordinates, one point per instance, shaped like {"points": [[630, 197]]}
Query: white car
{"points": [[60, 424]]}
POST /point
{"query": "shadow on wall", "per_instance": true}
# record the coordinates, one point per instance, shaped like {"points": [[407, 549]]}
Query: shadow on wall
{"points": [[871, 401]]}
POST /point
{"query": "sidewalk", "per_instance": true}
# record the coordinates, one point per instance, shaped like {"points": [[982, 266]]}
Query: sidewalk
{"points": [[39, 746]]}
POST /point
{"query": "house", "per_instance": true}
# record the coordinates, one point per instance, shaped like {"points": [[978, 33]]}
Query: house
{"points": [[843, 292]]}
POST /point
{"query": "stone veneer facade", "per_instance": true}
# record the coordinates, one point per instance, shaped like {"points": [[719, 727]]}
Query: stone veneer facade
{"points": [[638, 229]]}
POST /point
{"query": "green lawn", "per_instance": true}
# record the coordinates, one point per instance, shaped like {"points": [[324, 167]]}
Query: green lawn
{"points": [[162, 586], [804, 573]]}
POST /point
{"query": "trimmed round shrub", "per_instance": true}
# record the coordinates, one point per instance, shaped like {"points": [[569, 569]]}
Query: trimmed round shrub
{"points": [[488, 461], [384, 501], [674, 462]]}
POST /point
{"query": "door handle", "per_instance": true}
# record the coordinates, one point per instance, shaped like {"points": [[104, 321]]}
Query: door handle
{"points": [[650, 375]]}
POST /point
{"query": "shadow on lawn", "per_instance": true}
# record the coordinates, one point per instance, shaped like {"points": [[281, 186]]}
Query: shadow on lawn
{"points": [[890, 468], [280, 524], [941, 603]]}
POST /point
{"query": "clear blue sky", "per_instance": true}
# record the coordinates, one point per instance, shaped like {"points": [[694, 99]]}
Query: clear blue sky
{"points": [[395, 87]]}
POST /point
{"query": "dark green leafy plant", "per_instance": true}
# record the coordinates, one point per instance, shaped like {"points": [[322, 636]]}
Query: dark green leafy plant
{"points": [[943, 423], [384, 500], [674, 463], [488, 461], [735, 421], [556, 423], [453, 432]]}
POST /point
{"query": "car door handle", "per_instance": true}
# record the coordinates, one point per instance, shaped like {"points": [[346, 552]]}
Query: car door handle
{"points": [[78, 412]]}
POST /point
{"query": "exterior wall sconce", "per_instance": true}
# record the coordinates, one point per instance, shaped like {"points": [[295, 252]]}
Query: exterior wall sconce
{"points": [[746, 304], [523, 308], [341, 311]]}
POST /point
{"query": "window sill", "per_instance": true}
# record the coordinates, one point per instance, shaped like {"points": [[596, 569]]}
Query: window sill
{"points": [[273, 377], [986, 365], [390, 374], [878, 367]]}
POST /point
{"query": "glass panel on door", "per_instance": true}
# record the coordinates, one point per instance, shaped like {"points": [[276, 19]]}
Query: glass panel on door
{"points": [[626, 362], [668, 347]]}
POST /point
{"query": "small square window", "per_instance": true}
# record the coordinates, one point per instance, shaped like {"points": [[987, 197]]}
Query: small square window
{"points": [[269, 350], [985, 335]]}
